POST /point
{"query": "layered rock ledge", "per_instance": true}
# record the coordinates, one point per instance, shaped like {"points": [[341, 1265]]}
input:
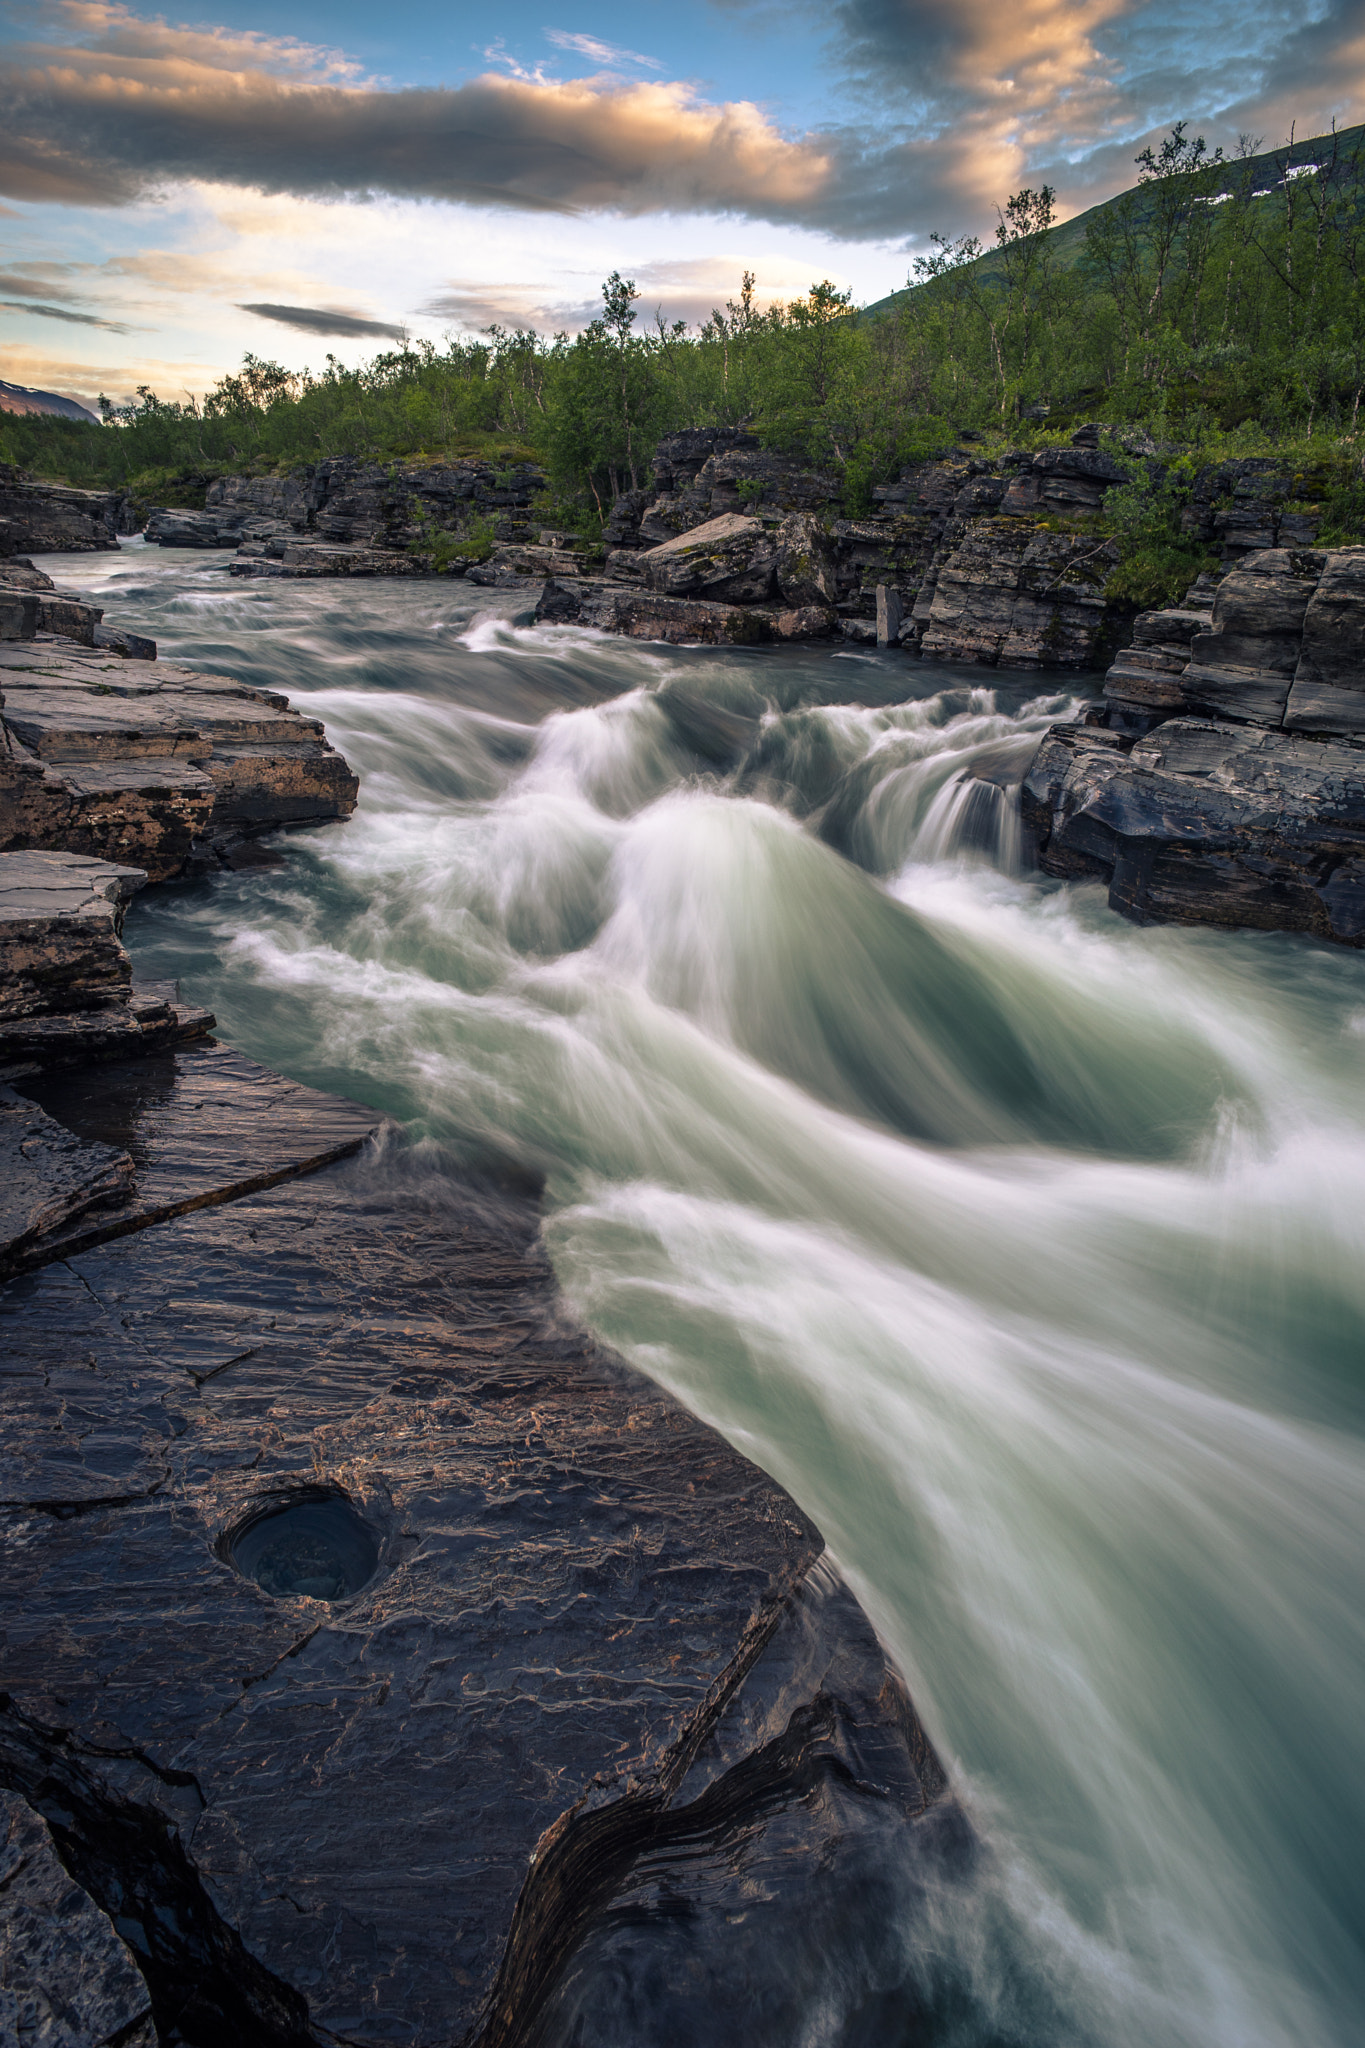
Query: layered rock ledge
{"points": [[384, 1661], [150, 764], [1223, 779]]}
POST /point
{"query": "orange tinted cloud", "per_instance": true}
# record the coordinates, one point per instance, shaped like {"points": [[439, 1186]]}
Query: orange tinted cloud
{"points": [[137, 104]]}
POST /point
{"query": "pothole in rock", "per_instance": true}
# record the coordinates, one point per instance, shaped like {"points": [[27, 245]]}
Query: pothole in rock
{"points": [[312, 1543]]}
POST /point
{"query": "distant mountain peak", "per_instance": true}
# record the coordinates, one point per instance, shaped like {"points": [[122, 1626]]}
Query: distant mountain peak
{"points": [[18, 398]]}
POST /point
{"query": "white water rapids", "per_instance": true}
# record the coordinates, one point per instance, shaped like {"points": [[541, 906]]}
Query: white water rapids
{"points": [[1025, 1247]]}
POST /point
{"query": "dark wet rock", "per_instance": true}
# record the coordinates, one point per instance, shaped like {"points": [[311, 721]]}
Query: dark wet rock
{"points": [[1202, 822], [49, 1178], [66, 1979], [132, 646], [201, 1123], [150, 763], [823, 1742], [651, 615], [321, 558], [66, 988], [170, 527], [39, 518], [590, 1659], [61, 915]]}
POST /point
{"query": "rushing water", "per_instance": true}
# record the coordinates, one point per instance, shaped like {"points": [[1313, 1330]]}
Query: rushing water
{"points": [[1025, 1247]]}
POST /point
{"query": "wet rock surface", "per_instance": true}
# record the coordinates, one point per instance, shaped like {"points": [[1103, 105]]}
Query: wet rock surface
{"points": [[66, 1979], [1227, 785], [152, 764], [589, 1676], [66, 988]]}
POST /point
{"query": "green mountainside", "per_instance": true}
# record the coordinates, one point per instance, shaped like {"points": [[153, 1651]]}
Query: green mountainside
{"points": [[1262, 175]]}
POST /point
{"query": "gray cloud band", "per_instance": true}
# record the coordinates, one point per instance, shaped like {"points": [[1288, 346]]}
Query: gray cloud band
{"points": [[317, 320]]}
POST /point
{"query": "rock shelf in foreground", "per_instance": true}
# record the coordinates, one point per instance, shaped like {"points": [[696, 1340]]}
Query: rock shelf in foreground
{"points": [[151, 764], [67, 993], [601, 1737]]}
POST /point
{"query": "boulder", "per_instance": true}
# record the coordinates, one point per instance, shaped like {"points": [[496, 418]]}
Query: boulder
{"points": [[731, 560], [61, 915], [1207, 822], [805, 622], [66, 985], [173, 527], [651, 615]]}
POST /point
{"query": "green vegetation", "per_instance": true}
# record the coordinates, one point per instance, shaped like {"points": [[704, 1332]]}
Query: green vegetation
{"points": [[1219, 305]]}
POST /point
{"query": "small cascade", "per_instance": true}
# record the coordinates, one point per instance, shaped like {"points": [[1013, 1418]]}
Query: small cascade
{"points": [[971, 816]]}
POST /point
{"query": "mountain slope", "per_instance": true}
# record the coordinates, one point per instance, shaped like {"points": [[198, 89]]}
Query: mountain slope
{"points": [[1268, 172], [19, 398]]}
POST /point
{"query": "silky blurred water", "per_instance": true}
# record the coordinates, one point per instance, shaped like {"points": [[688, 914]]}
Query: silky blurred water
{"points": [[1027, 1248]]}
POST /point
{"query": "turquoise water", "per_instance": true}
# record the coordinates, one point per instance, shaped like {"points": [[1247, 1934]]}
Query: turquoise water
{"points": [[1027, 1248]]}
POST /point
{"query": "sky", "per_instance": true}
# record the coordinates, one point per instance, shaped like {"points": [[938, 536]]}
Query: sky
{"points": [[291, 181]]}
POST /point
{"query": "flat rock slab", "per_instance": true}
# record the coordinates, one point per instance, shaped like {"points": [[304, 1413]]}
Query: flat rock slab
{"points": [[49, 1177], [149, 761], [200, 1124], [582, 1663]]}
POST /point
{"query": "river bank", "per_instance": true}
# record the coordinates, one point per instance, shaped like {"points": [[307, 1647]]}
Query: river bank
{"points": [[371, 1635]]}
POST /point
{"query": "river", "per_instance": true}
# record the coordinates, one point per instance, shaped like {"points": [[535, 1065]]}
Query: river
{"points": [[1024, 1246]]}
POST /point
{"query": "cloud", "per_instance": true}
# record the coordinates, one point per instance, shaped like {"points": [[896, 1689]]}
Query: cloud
{"points": [[325, 320], [599, 52], [123, 107], [961, 101], [38, 281], [64, 313]]}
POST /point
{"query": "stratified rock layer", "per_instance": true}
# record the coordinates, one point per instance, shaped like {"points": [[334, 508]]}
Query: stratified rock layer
{"points": [[152, 764], [66, 984], [1228, 784], [44, 518], [591, 1648]]}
